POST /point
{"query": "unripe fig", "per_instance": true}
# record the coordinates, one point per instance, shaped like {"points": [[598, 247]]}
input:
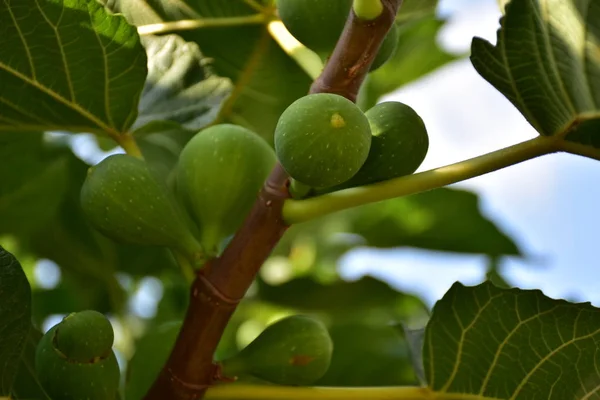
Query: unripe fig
{"points": [[387, 49], [317, 24], [123, 199], [151, 353], [399, 146], [295, 350], [322, 139], [74, 360], [219, 175]]}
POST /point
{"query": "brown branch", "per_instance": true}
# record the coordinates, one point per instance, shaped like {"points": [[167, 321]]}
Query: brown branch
{"points": [[219, 287], [222, 283], [354, 53]]}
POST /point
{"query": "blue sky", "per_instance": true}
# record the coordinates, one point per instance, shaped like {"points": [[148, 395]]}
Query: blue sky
{"points": [[547, 204]]}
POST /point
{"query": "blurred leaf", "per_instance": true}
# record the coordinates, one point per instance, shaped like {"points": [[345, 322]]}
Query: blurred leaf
{"points": [[161, 149], [151, 353], [30, 170], [412, 9], [83, 254], [495, 275], [418, 54], [512, 344], [46, 82], [546, 63], [341, 299], [365, 355], [180, 88], [15, 318], [174, 301], [313, 248], [502, 4], [27, 384], [442, 219], [266, 80]]}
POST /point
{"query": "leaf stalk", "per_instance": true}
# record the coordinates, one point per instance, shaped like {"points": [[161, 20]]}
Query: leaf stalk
{"points": [[296, 211]]}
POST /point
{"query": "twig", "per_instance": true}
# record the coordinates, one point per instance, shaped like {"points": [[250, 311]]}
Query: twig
{"points": [[222, 283]]}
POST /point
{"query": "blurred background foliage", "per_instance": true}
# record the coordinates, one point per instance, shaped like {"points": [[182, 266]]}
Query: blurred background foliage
{"points": [[237, 75]]}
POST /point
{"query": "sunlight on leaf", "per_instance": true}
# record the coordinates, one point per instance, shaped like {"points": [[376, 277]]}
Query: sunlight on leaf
{"points": [[512, 344], [266, 80], [547, 63], [68, 65]]}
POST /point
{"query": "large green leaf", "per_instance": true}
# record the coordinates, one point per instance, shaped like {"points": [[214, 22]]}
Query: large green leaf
{"points": [[494, 343], [31, 170], [417, 54], [443, 219], [547, 63], [68, 65], [266, 80], [180, 88], [15, 318]]}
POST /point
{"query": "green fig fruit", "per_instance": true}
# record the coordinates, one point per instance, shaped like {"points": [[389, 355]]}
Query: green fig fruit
{"points": [[387, 49], [295, 350], [399, 146], [219, 175], [151, 353], [74, 360], [317, 24], [322, 139], [123, 199]]}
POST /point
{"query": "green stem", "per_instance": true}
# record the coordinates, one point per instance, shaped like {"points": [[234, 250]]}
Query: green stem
{"points": [[189, 24], [128, 143], [255, 5], [186, 267], [367, 9], [308, 60], [579, 149], [256, 392], [295, 211]]}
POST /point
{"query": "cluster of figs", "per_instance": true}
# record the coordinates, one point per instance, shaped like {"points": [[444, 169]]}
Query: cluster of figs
{"points": [[74, 360], [324, 141]]}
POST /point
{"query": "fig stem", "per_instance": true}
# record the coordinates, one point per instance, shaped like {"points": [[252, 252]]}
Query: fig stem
{"points": [[190, 24], [579, 149], [256, 392], [367, 9], [186, 267], [307, 59], [296, 211], [128, 143]]}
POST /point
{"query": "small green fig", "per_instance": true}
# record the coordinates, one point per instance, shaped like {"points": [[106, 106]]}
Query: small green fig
{"points": [[123, 199], [387, 49], [295, 350], [317, 24], [151, 353], [74, 360], [219, 175], [322, 139], [399, 146]]}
